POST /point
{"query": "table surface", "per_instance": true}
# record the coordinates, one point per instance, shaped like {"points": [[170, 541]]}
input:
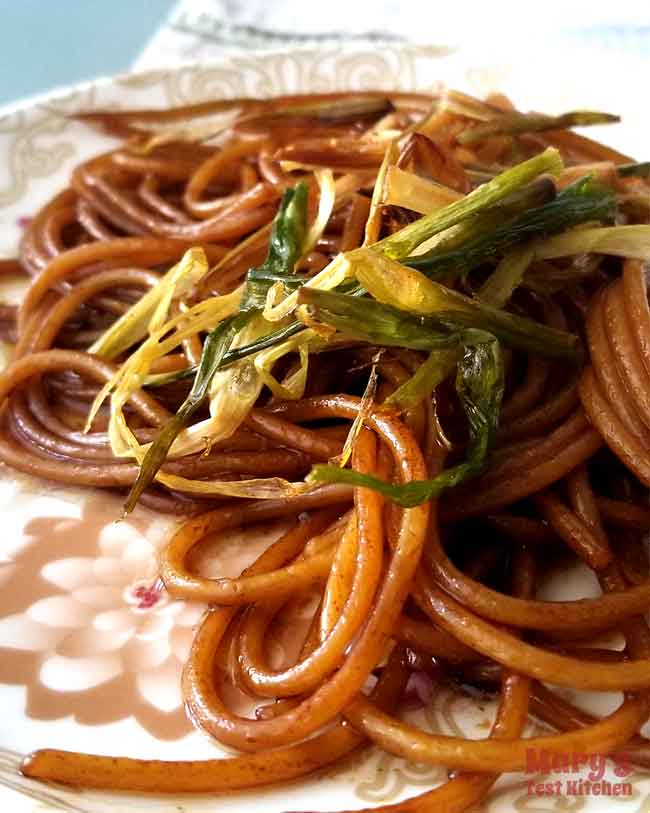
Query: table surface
{"points": [[46, 44]]}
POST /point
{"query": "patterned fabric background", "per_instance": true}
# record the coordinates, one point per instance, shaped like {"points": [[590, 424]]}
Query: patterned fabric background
{"points": [[201, 29]]}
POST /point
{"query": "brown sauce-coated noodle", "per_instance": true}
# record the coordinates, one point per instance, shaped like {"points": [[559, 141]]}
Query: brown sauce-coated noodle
{"points": [[377, 596]]}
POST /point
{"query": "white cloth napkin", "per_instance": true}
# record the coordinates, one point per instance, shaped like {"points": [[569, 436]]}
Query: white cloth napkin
{"points": [[202, 29]]}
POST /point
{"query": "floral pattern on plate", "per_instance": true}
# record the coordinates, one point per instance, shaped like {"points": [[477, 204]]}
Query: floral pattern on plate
{"points": [[87, 626]]}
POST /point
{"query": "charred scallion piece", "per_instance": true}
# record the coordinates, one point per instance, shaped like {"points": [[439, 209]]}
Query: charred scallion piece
{"points": [[472, 233], [381, 324], [488, 236], [404, 241], [516, 123], [409, 291], [439, 365], [479, 384], [641, 170], [372, 322], [323, 111]]}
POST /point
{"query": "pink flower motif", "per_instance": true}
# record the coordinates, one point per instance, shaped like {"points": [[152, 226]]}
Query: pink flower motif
{"points": [[112, 619], [148, 596], [88, 603]]}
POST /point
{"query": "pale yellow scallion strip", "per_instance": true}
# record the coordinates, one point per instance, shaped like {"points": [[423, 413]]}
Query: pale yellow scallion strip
{"points": [[373, 223], [622, 241], [267, 488], [151, 310], [203, 316], [326, 199], [418, 194], [294, 386], [439, 365], [499, 286], [365, 407], [395, 284], [233, 392], [331, 276]]}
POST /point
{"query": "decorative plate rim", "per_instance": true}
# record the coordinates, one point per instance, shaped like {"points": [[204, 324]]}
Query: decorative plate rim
{"points": [[64, 91]]}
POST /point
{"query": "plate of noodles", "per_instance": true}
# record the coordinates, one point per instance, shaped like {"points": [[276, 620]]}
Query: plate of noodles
{"points": [[324, 437]]}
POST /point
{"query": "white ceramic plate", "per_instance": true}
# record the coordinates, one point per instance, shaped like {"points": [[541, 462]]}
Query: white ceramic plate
{"points": [[87, 661]]}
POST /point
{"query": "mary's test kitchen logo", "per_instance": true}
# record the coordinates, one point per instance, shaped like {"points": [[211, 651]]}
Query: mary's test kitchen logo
{"points": [[560, 771]]}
